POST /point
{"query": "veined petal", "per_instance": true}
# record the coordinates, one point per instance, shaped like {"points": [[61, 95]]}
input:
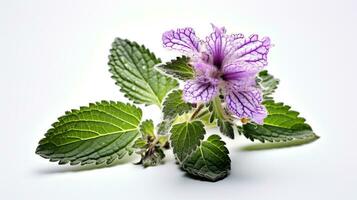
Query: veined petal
{"points": [[183, 39], [221, 46], [216, 44], [200, 90], [246, 104], [239, 70], [251, 50]]}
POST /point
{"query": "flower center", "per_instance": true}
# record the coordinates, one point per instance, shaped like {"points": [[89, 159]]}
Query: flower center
{"points": [[217, 62], [217, 74]]}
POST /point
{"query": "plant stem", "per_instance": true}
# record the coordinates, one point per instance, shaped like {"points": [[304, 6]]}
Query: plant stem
{"points": [[217, 106], [202, 113], [198, 109]]}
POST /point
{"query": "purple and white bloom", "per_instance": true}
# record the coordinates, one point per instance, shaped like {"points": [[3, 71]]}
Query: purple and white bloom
{"points": [[223, 63]]}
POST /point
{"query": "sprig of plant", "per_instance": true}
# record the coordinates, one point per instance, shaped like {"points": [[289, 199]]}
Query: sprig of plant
{"points": [[105, 131]]}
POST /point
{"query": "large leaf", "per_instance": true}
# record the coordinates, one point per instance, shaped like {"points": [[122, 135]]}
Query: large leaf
{"points": [[281, 125], [218, 113], [179, 68], [174, 105], [210, 160], [98, 133], [268, 84], [133, 69], [185, 137], [277, 145]]}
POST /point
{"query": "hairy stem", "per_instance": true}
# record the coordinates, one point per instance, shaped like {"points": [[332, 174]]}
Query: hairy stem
{"points": [[202, 113], [217, 106], [198, 109]]}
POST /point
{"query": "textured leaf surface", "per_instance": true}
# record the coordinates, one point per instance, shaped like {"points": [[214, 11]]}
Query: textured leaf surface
{"points": [[277, 145], [98, 133], [149, 145], [164, 126], [179, 68], [226, 128], [281, 125], [174, 105], [185, 137], [210, 160], [268, 84], [133, 69], [153, 158], [147, 128]]}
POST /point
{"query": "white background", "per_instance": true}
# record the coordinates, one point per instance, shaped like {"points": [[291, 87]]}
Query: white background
{"points": [[53, 57]]}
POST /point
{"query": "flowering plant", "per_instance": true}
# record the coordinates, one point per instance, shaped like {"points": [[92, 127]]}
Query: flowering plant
{"points": [[224, 86]]}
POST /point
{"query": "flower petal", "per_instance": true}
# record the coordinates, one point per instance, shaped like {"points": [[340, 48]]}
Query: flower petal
{"points": [[221, 46], [183, 39], [216, 44], [246, 104], [200, 90], [238, 70], [251, 50]]}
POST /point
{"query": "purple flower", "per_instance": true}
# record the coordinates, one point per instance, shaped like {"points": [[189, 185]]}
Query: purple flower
{"points": [[223, 63]]}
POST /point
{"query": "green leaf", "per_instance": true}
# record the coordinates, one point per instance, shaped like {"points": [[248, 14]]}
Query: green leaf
{"points": [[164, 126], [226, 128], [268, 84], [179, 68], [276, 145], [147, 128], [132, 67], [153, 157], [185, 137], [210, 160], [217, 112], [174, 105], [140, 143], [150, 146], [281, 125], [98, 133]]}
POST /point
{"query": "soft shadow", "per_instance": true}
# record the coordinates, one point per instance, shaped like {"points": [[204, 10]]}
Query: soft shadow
{"points": [[81, 168], [186, 175], [197, 178], [239, 172], [278, 145]]}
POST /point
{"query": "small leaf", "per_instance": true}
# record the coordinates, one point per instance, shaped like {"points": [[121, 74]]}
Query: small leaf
{"points": [[164, 127], [174, 105], [217, 112], [179, 68], [268, 84], [147, 128], [210, 160], [153, 157], [98, 133], [150, 146], [226, 128], [185, 137], [281, 125], [164, 141], [140, 143], [133, 70]]}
